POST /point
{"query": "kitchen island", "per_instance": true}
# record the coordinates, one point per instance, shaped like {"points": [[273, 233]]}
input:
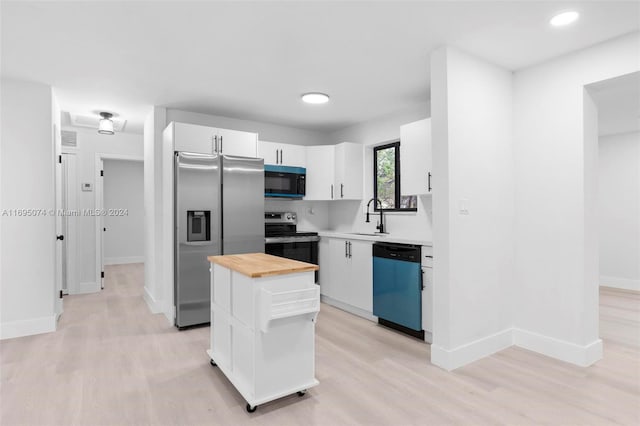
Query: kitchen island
{"points": [[263, 313]]}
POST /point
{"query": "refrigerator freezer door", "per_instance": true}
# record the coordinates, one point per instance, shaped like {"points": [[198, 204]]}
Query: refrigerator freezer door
{"points": [[197, 234], [243, 201]]}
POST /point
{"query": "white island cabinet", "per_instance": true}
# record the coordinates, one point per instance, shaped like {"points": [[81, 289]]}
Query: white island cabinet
{"points": [[263, 313]]}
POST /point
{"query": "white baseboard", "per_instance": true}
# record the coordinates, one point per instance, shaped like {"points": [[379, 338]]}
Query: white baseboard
{"points": [[465, 354], [170, 314], [582, 356], [85, 288], [349, 308], [123, 260], [9, 330], [151, 302], [621, 283]]}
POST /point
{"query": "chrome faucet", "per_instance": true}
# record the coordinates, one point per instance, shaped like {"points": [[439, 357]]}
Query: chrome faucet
{"points": [[380, 226]]}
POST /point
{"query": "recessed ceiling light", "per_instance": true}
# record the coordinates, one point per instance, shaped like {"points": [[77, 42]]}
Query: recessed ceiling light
{"points": [[564, 18], [315, 98]]}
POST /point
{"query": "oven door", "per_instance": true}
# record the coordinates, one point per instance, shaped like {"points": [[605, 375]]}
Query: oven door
{"points": [[283, 181], [304, 251]]}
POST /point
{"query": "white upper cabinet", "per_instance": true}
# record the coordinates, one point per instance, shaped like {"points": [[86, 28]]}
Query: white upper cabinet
{"points": [[193, 138], [320, 179], [415, 158], [211, 140], [237, 143], [349, 168], [282, 154], [335, 172]]}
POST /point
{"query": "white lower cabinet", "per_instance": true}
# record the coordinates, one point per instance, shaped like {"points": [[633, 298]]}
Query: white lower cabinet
{"points": [[348, 268]]}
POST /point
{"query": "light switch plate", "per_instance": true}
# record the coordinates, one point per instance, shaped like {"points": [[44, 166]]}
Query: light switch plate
{"points": [[87, 186], [463, 207]]}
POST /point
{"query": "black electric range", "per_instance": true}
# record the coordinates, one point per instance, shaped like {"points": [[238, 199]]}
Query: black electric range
{"points": [[283, 239]]}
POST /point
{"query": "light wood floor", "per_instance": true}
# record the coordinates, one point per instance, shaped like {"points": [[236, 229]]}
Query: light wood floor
{"points": [[111, 362]]}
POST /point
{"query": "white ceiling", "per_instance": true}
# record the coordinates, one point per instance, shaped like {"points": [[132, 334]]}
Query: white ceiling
{"points": [[252, 60], [618, 102]]}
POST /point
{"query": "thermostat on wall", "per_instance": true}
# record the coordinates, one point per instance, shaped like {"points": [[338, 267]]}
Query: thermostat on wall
{"points": [[88, 187]]}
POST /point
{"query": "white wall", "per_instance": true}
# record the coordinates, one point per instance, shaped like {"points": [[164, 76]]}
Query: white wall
{"points": [[472, 164], [89, 144], [154, 124], [556, 263], [619, 210], [349, 216], [266, 131], [123, 188], [27, 247]]}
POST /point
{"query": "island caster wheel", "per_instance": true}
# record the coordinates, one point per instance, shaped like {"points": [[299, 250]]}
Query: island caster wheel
{"points": [[213, 363], [302, 393], [251, 409]]}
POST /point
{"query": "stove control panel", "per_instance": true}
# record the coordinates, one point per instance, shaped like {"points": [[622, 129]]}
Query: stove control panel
{"points": [[280, 217]]}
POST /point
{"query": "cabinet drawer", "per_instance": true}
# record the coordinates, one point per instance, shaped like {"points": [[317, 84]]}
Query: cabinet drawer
{"points": [[284, 300]]}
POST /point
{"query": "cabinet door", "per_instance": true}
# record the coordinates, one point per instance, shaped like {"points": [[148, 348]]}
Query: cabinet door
{"points": [[349, 165], [324, 261], [361, 282], [320, 172], [270, 151], [340, 270], [234, 142], [415, 157], [293, 155], [193, 138], [282, 154]]}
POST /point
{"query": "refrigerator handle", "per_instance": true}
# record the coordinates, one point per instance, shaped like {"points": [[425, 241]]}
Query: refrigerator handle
{"points": [[277, 156], [220, 144], [332, 191], [280, 156], [346, 249], [342, 190]]}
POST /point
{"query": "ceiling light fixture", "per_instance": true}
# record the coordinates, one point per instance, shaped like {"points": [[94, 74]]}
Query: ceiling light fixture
{"points": [[106, 124], [315, 98], [564, 18]]}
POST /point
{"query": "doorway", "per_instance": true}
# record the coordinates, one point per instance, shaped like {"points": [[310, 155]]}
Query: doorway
{"points": [[120, 227], [618, 105]]}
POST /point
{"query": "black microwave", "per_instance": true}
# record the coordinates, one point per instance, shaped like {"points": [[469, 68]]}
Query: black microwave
{"points": [[284, 181]]}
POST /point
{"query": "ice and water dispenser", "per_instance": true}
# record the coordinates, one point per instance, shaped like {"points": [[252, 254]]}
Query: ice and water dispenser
{"points": [[198, 225]]}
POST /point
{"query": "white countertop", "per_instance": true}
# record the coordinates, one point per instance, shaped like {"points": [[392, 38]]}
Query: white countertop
{"points": [[388, 238]]}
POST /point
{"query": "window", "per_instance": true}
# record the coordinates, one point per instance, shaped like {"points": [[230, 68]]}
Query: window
{"points": [[386, 179]]}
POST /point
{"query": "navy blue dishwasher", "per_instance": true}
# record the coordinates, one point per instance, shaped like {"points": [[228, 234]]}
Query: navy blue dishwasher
{"points": [[397, 287]]}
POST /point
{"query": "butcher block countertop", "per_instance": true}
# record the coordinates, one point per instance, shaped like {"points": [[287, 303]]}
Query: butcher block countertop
{"points": [[258, 265]]}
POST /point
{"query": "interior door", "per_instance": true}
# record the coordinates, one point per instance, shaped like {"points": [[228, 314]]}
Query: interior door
{"points": [[58, 185], [69, 223]]}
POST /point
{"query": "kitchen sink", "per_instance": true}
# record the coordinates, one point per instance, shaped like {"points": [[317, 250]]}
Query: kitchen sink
{"points": [[369, 234]]}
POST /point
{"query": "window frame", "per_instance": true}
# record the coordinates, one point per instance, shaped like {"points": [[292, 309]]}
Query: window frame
{"points": [[397, 170]]}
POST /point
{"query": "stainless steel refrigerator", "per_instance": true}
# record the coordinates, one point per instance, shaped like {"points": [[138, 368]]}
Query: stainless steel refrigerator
{"points": [[219, 209]]}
